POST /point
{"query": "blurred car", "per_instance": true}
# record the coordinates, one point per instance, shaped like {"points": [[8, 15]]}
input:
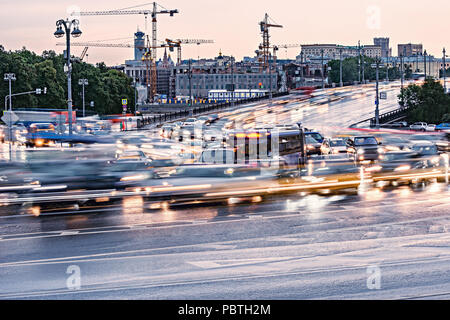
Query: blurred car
{"points": [[406, 166], [315, 135], [425, 148], [443, 126], [334, 146], [431, 128], [441, 140], [419, 126], [365, 148], [313, 147]]}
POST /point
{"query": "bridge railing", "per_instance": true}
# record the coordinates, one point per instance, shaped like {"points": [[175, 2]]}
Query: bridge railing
{"points": [[197, 110]]}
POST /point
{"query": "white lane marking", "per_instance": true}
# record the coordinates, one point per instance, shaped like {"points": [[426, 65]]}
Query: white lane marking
{"points": [[210, 264], [69, 233]]}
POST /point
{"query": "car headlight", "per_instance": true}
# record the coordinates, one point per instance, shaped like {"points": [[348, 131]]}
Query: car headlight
{"points": [[381, 150], [361, 151], [403, 168]]}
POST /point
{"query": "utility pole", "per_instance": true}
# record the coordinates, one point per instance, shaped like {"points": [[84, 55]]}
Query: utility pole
{"points": [[425, 63], [301, 68], [363, 76], [444, 71], [341, 84], [377, 98], [10, 77], [401, 71], [323, 83], [83, 82], [232, 81], [387, 69], [359, 62], [190, 86]]}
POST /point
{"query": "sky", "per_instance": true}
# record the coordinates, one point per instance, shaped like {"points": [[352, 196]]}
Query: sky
{"points": [[232, 24]]}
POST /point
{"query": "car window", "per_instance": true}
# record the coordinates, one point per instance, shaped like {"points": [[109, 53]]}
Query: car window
{"points": [[366, 141]]}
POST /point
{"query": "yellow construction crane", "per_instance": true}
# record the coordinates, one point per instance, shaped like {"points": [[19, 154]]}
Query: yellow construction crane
{"points": [[157, 10], [178, 42], [265, 46]]}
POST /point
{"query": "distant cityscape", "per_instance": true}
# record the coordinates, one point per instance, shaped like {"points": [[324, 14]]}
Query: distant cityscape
{"points": [[196, 78]]}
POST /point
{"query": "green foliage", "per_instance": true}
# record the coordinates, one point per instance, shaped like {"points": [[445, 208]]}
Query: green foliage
{"points": [[350, 70], [106, 87], [428, 102]]}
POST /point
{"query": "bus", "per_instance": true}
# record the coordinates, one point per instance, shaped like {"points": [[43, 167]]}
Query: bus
{"points": [[286, 145], [225, 96]]}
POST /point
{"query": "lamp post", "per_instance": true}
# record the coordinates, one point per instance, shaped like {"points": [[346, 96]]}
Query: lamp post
{"points": [[323, 81], [444, 70], [425, 63], [363, 76], [341, 84], [10, 77], [377, 95], [64, 27], [83, 82]]}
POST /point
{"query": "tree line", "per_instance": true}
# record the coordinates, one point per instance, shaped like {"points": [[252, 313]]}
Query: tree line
{"points": [[107, 87], [426, 103], [350, 70]]}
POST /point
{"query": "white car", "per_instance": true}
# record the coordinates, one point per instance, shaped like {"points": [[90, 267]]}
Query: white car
{"points": [[419, 126], [431, 128]]}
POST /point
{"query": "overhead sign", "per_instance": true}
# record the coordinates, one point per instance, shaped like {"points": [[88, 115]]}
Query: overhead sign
{"points": [[10, 118]]}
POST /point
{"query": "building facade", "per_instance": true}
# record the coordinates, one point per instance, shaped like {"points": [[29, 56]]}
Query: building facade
{"points": [[410, 49], [384, 44], [333, 51]]}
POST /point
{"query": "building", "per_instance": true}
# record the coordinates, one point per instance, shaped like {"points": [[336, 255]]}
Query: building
{"points": [[333, 51], [410, 50], [417, 65], [199, 77], [384, 44], [164, 74]]}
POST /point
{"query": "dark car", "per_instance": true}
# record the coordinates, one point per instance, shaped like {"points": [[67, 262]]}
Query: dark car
{"points": [[313, 147], [365, 148], [315, 135]]}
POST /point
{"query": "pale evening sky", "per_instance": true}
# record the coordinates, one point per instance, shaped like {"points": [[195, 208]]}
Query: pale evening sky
{"points": [[232, 24]]}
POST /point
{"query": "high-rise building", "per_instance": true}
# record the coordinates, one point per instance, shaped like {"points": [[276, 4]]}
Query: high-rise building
{"points": [[384, 44]]}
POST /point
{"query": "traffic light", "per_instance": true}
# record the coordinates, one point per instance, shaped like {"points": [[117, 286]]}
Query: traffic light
{"points": [[260, 85]]}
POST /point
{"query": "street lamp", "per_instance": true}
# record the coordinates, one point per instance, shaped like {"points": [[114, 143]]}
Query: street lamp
{"points": [[444, 70], [83, 82], [377, 97], [10, 77], [425, 63], [64, 27], [341, 84]]}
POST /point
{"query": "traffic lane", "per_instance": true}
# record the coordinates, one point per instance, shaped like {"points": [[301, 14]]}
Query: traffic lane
{"points": [[21, 247], [297, 263], [136, 211]]}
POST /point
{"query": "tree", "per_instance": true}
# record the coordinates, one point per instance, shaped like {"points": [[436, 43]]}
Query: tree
{"points": [[106, 87], [426, 103]]}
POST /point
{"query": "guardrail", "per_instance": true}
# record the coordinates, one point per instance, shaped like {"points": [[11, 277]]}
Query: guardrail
{"points": [[197, 110]]}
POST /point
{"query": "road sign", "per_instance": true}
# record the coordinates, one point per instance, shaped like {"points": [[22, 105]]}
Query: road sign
{"points": [[383, 95], [124, 102], [10, 118]]}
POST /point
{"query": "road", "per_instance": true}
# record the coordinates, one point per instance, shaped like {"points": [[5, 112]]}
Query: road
{"points": [[285, 247]]}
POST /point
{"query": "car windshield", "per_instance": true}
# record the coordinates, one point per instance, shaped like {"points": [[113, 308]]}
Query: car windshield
{"points": [[337, 143], [316, 136], [425, 150], [310, 140], [366, 141]]}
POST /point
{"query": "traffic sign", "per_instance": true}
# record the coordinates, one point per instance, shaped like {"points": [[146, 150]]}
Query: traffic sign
{"points": [[124, 102], [10, 118], [383, 95]]}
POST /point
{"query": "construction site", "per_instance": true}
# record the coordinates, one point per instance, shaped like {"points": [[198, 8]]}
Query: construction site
{"points": [[162, 77]]}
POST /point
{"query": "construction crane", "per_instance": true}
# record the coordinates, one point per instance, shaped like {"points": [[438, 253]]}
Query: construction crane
{"points": [[265, 46], [276, 47], [151, 76], [178, 42], [153, 13], [83, 54]]}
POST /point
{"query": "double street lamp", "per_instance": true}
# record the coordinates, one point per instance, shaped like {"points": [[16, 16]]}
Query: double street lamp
{"points": [[64, 27], [83, 82]]}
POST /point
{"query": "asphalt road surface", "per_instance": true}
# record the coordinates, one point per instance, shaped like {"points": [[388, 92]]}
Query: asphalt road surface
{"points": [[376, 244]]}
